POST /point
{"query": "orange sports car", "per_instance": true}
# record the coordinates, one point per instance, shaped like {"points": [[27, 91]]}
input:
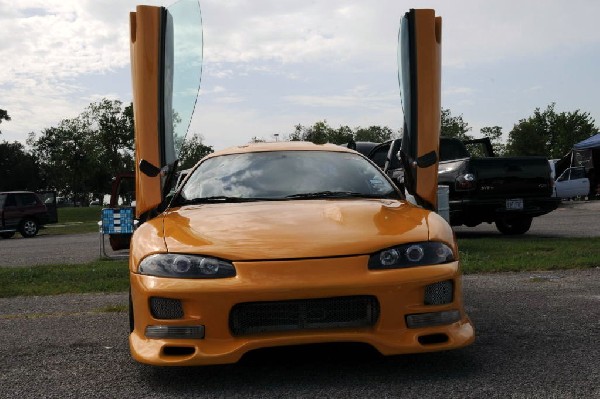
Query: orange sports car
{"points": [[285, 243], [292, 243]]}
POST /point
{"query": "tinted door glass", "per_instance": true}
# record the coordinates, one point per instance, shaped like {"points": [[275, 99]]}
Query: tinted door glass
{"points": [[10, 200], [28, 200], [380, 155], [578, 173]]}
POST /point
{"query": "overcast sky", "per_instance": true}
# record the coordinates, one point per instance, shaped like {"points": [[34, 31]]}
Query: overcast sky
{"points": [[269, 65]]}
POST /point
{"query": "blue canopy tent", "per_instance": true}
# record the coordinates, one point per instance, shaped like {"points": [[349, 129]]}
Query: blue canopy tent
{"points": [[589, 143], [591, 146]]}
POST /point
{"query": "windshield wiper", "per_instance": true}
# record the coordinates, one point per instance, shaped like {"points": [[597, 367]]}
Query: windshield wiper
{"points": [[220, 199], [339, 194], [216, 198]]}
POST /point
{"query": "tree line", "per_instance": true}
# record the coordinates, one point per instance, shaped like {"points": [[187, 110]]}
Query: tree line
{"points": [[546, 133], [79, 157]]}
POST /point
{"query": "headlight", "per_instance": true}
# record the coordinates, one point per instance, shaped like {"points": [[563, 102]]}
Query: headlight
{"points": [[186, 266], [410, 255]]}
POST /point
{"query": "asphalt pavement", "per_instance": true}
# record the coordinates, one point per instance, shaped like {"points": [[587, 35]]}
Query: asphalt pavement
{"points": [[537, 337]]}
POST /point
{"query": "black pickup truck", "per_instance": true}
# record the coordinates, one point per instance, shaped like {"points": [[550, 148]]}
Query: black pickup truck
{"points": [[506, 191]]}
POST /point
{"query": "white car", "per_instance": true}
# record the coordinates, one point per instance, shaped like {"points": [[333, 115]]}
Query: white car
{"points": [[572, 183]]}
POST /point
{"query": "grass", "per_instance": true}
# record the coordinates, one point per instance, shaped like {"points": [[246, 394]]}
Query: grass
{"points": [[74, 221], [483, 255], [478, 255], [98, 276]]}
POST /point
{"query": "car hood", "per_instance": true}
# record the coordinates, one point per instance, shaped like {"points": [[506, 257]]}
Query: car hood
{"points": [[293, 229]]}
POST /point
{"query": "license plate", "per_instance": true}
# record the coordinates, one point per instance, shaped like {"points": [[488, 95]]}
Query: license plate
{"points": [[514, 204]]}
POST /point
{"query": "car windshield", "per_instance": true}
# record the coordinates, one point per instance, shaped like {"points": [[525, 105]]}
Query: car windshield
{"points": [[283, 175]]}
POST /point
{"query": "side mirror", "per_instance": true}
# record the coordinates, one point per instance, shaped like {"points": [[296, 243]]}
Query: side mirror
{"points": [[148, 169]]}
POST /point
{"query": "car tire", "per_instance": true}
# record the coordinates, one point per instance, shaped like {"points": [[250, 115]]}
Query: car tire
{"points": [[131, 320], [7, 235], [29, 228], [511, 225]]}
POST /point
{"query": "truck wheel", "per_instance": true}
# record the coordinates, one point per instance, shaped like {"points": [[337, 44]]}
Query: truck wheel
{"points": [[7, 235], [513, 225], [28, 228]]}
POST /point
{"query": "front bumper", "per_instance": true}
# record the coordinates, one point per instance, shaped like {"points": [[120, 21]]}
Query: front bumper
{"points": [[474, 211], [208, 303]]}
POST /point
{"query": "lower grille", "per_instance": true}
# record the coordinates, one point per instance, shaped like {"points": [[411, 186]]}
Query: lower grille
{"points": [[304, 314], [166, 308], [439, 293]]}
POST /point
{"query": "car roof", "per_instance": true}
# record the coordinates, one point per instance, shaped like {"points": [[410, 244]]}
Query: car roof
{"points": [[280, 146], [17, 192]]}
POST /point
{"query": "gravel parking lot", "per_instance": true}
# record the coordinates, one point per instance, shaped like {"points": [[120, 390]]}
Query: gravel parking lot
{"points": [[537, 337]]}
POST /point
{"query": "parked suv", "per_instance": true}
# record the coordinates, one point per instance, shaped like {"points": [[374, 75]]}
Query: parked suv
{"points": [[21, 211]]}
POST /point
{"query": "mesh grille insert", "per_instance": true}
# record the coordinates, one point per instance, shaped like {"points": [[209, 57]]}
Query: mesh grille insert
{"points": [[439, 293], [166, 308], [304, 314]]}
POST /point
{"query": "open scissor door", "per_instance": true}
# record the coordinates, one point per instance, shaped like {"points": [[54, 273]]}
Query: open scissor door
{"points": [[166, 65], [419, 74]]}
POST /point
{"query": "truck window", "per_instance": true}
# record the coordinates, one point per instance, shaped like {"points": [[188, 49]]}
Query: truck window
{"points": [[10, 200], [564, 176], [452, 149], [380, 156], [28, 199], [577, 173]]}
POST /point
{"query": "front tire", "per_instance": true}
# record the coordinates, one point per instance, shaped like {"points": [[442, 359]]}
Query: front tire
{"points": [[29, 228], [513, 225], [131, 320]]}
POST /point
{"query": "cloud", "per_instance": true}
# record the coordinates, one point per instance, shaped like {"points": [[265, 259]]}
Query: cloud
{"points": [[476, 32], [47, 46], [58, 55], [458, 91], [358, 97]]}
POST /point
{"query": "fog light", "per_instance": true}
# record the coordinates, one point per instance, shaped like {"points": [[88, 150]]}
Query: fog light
{"points": [[177, 332], [432, 319], [439, 293]]}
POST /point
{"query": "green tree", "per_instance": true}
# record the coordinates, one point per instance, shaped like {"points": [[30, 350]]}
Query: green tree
{"points": [[18, 168], [341, 135], [549, 133], [66, 158], [112, 128], [321, 133], [376, 134], [297, 135], [318, 133], [80, 156], [494, 133], [193, 150], [454, 126], [3, 117]]}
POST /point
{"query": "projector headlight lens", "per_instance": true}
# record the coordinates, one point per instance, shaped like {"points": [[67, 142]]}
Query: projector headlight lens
{"points": [[186, 266], [411, 255]]}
